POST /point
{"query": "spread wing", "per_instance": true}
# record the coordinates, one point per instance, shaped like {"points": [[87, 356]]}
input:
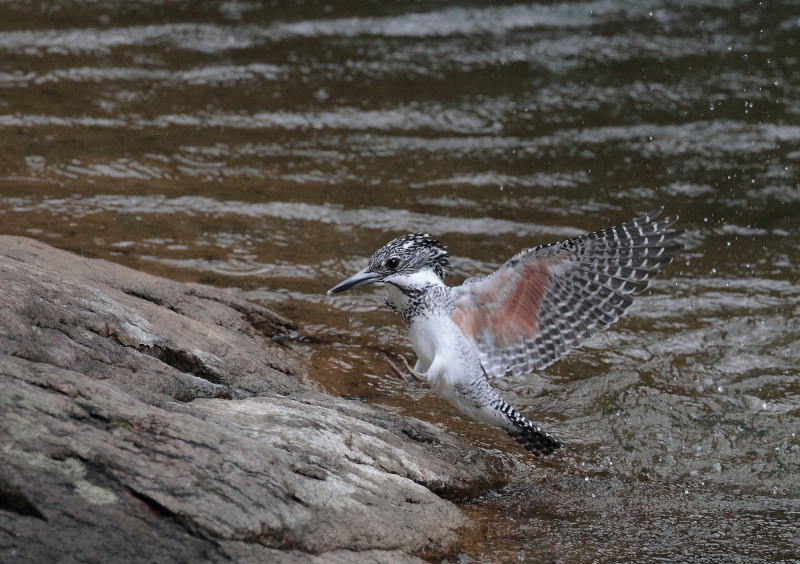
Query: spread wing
{"points": [[547, 300]]}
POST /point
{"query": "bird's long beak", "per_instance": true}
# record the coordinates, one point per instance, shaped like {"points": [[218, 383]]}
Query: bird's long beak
{"points": [[358, 279]]}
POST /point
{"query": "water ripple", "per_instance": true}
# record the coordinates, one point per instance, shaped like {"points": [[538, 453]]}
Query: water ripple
{"points": [[381, 218]]}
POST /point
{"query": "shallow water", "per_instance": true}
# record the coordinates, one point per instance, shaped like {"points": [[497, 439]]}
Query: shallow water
{"points": [[271, 148]]}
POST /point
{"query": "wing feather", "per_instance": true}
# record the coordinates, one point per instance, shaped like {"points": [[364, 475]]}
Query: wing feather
{"points": [[547, 300]]}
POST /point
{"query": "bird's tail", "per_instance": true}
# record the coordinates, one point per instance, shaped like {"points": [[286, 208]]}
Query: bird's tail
{"points": [[530, 436]]}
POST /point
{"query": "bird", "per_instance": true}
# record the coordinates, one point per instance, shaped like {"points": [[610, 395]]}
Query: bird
{"points": [[540, 304]]}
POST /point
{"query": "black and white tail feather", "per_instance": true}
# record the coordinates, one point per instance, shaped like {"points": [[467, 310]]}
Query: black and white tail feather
{"points": [[532, 437]]}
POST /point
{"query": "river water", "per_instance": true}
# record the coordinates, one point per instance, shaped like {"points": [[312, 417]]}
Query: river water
{"points": [[270, 148]]}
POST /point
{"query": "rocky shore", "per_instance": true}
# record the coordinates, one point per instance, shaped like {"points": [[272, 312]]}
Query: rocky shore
{"points": [[145, 420]]}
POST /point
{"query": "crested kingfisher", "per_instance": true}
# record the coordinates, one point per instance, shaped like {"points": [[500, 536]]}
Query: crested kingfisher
{"points": [[539, 305]]}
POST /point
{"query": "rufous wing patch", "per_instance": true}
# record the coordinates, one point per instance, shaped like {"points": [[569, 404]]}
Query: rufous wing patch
{"points": [[506, 308]]}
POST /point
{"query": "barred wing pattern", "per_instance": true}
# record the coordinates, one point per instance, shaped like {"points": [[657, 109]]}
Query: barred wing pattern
{"points": [[547, 300]]}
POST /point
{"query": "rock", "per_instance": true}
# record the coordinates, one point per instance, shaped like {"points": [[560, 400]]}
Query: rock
{"points": [[247, 554], [145, 420], [158, 340]]}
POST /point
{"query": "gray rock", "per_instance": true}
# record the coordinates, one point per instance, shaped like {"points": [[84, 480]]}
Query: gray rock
{"points": [[159, 340], [145, 420]]}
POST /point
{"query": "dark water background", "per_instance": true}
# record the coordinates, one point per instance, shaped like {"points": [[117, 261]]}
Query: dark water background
{"points": [[270, 148]]}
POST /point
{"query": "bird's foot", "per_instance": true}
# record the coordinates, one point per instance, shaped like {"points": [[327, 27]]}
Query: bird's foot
{"points": [[409, 372]]}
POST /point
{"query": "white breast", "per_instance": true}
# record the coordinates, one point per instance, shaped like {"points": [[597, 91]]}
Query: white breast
{"points": [[427, 339], [443, 352]]}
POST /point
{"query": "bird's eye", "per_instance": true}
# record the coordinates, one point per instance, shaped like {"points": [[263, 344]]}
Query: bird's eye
{"points": [[393, 263]]}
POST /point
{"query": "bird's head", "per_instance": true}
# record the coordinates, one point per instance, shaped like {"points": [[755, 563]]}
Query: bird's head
{"points": [[405, 261]]}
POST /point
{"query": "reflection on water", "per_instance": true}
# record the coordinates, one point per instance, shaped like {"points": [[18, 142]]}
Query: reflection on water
{"points": [[271, 148]]}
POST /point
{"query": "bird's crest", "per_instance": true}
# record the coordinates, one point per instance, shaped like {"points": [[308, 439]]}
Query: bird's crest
{"points": [[413, 252]]}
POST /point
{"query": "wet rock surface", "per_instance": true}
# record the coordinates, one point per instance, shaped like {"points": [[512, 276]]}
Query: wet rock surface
{"points": [[150, 421]]}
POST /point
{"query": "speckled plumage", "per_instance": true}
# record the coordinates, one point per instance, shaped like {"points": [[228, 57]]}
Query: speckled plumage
{"points": [[540, 304]]}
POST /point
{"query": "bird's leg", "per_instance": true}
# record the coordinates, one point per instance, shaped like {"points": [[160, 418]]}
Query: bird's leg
{"points": [[404, 376], [420, 376]]}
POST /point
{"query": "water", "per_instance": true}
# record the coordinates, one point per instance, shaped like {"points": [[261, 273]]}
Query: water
{"points": [[270, 148]]}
